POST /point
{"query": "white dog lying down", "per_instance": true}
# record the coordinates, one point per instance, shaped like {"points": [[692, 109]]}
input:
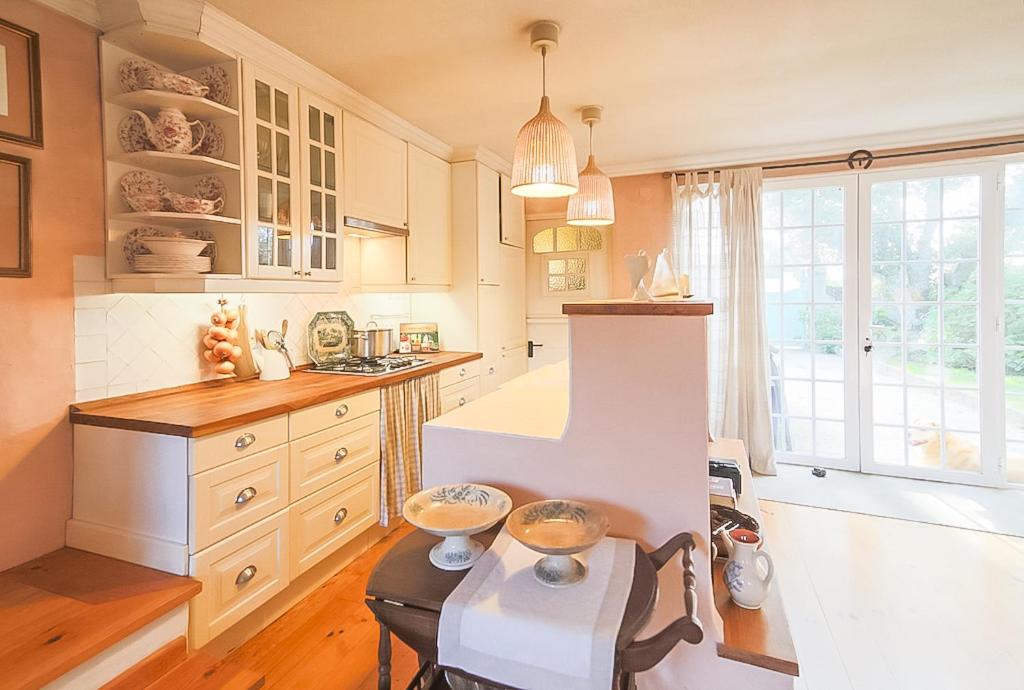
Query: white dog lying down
{"points": [[961, 454]]}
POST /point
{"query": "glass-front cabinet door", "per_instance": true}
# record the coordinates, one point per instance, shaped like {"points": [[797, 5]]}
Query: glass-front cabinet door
{"points": [[321, 205], [271, 115]]}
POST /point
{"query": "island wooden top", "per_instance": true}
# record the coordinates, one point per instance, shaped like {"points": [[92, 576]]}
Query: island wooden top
{"points": [[66, 607], [625, 307], [209, 407], [761, 637]]}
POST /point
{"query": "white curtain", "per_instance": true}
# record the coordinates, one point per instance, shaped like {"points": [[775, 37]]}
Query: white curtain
{"points": [[719, 244]]}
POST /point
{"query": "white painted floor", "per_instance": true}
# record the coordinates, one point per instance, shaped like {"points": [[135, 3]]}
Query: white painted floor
{"points": [[884, 604], [969, 507]]}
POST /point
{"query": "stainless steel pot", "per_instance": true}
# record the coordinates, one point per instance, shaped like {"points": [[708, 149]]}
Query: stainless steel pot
{"points": [[371, 342]]}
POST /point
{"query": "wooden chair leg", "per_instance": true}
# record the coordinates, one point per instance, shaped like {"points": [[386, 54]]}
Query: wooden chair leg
{"points": [[384, 659]]}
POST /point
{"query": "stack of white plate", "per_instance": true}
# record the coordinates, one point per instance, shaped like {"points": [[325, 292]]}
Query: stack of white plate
{"points": [[172, 263]]}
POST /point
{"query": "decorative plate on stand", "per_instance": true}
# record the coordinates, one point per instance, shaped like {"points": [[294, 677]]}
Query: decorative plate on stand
{"points": [[329, 335]]}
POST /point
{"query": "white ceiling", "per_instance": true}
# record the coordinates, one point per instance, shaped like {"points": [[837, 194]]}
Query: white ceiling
{"points": [[681, 80]]}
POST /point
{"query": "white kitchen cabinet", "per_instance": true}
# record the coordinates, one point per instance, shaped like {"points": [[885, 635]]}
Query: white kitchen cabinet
{"points": [[375, 165], [488, 226], [429, 245], [513, 215], [321, 238], [272, 176], [513, 297], [513, 363], [489, 324]]}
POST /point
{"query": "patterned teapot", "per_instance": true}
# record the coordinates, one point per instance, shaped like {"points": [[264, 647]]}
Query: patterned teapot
{"points": [[170, 131]]}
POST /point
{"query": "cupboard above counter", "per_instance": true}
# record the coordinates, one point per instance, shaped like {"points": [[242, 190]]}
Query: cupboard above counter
{"points": [[297, 169]]}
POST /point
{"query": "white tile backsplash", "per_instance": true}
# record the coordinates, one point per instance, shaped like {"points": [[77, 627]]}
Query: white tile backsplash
{"points": [[127, 343]]}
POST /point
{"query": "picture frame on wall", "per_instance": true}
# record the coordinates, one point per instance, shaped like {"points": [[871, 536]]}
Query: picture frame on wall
{"points": [[15, 238], [21, 106]]}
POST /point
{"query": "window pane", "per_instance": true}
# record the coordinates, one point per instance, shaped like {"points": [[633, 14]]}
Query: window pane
{"points": [[828, 322], [796, 322], [329, 130], [828, 206], [885, 241], [828, 245], [556, 266], [331, 260], [314, 123], [556, 283], [887, 201], [960, 281], [796, 207], [544, 241], [960, 196], [961, 367], [262, 101], [923, 324], [960, 239], [771, 209], [264, 149], [265, 201], [577, 282], [886, 282], [314, 165], [284, 203], [772, 247], [281, 108], [283, 155], [828, 284], [590, 239], [329, 169], [922, 241], [567, 240], [922, 199], [922, 282], [796, 246]]}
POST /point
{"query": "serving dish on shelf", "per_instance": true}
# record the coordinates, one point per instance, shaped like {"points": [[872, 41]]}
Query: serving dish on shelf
{"points": [[173, 246], [456, 512], [559, 529], [133, 246]]}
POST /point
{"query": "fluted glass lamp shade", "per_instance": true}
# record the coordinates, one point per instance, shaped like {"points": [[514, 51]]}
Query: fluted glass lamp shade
{"points": [[593, 204], [544, 162]]}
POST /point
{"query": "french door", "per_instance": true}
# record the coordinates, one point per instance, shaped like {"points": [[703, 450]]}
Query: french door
{"points": [[895, 313], [930, 306]]}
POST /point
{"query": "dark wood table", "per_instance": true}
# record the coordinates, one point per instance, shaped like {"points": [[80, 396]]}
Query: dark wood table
{"points": [[405, 593]]}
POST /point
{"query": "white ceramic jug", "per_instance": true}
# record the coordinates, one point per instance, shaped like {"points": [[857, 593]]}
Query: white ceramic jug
{"points": [[747, 586], [275, 366]]}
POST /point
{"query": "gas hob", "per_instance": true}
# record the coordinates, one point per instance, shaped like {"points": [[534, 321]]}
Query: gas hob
{"points": [[371, 366]]}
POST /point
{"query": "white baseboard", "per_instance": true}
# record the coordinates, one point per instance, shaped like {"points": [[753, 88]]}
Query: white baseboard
{"points": [[151, 552]]}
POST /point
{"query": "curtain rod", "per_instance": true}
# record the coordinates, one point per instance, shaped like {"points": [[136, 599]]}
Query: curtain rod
{"points": [[862, 158]]}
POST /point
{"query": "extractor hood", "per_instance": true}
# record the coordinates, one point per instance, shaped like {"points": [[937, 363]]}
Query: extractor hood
{"points": [[367, 229]]}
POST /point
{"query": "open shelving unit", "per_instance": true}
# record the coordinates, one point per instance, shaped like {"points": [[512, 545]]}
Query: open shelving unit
{"points": [[179, 171]]}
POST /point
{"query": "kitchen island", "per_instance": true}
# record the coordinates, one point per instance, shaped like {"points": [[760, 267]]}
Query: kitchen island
{"points": [[622, 425]]}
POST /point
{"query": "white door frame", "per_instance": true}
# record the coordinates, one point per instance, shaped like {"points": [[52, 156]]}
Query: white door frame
{"points": [[990, 336], [851, 275]]}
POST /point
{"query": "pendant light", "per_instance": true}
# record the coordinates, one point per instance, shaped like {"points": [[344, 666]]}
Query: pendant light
{"points": [[544, 161], [593, 204]]}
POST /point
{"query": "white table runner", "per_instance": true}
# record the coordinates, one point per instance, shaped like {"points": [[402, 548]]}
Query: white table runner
{"points": [[503, 625]]}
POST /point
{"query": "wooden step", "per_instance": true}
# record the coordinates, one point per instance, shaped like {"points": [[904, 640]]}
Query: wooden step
{"points": [[66, 607], [203, 671]]}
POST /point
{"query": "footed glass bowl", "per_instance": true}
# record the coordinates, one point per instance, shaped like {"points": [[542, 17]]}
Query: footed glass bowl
{"points": [[456, 512], [558, 528]]}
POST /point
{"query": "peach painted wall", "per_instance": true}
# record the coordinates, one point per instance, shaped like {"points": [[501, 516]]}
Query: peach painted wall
{"points": [[37, 348], [643, 220]]}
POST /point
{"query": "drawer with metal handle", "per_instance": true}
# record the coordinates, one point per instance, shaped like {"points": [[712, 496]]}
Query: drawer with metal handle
{"points": [[239, 574], [325, 521], [207, 452], [231, 497], [310, 420], [460, 372], [326, 456], [460, 394]]}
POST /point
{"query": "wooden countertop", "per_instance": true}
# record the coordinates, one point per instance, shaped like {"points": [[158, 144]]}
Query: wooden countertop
{"points": [[626, 307], [761, 637], [209, 407], [66, 607]]}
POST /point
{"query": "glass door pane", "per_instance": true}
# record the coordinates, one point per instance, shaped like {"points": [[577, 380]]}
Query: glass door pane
{"points": [[809, 238], [321, 239], [921, 341]]}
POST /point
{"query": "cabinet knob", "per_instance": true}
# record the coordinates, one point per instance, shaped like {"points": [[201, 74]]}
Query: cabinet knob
{"points": [[298, 273], [490, 370], [341, 411], [247, 573], [462, 401], [340, 516], [245, 440], [245, 495], [308, 273], [462, 371], [341, 454], [412, 279]]}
